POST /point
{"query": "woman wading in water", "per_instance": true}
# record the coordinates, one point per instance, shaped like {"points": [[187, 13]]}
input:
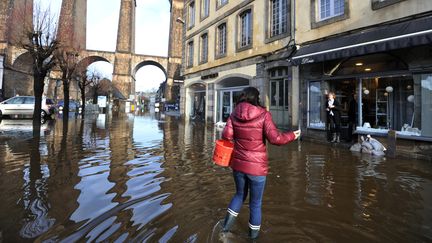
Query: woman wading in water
{"points": [[248, 127]]}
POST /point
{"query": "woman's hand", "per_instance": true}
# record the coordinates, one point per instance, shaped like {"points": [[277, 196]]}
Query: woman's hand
{"points": [[297, 133]]}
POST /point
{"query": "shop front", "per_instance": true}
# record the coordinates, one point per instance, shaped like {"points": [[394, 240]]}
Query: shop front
{"points": [[196, 102], [377, 93], [382, 78]]}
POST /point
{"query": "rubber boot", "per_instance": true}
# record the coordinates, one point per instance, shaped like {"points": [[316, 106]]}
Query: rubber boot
{"points": [[337, 138], [253, 233], [228, 222], [334, 138]]}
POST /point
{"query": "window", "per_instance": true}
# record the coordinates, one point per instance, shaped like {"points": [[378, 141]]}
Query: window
{"points": [[29, 100], [205, 8], [400, 103], [221, 3], [377, 4], [191, 14], [422, 115], [245, 29], [330, 8], [204, 48], [388, 103], [316, 99], [221, 40], [190, 54], [278, 15], [49, 102], [16, 100]]}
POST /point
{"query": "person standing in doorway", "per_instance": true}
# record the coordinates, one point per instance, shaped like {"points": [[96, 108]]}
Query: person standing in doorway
{"points": [[333, 114], [248, 127]]}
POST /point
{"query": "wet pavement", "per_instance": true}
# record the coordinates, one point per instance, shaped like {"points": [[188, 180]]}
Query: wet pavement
{"points": [[151, 178]]}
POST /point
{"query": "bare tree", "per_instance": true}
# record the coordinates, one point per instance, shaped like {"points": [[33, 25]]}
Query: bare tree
{"points": [[83, 82], [38, 36], [67, 59], [95, 82]]}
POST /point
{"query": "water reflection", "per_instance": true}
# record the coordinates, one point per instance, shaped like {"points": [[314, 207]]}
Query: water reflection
{"points": [[36, 220], [150, 178]]}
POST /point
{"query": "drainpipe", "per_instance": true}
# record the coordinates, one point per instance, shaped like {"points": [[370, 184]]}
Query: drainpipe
{"points": [[296, 104]]}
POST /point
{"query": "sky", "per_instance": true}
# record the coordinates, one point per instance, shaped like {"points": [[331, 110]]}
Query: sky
{"points": [[152, 34]]}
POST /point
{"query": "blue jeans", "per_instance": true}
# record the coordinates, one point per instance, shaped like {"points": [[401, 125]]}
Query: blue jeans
{"points": [[244, 183]]}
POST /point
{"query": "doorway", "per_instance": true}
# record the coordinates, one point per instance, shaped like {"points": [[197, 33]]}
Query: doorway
{"points": [[279, 101], [228, 100]]}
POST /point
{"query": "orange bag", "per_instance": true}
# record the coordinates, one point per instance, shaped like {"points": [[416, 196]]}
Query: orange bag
{"points": [[223, 152]]}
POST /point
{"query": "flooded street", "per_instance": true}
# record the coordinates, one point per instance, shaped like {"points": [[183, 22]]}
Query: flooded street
{"points": [[149, 178]]}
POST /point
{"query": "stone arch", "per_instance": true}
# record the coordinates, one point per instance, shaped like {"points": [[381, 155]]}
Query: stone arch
{"points": [[196, 85], [105, 86], [146, 63], [87, 61], [233, 80], [18, 79], [24, 63]]}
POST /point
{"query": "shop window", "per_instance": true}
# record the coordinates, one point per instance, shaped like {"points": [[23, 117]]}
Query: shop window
{"points": [[423, 111], [402, 103], [399, 103], [316, 106], [386, 104]]}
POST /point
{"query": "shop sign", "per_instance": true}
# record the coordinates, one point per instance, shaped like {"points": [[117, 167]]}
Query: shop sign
{"points": [[209, 76]]}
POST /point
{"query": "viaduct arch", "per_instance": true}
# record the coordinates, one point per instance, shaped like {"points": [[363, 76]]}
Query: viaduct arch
{"points": [[124, 59]]}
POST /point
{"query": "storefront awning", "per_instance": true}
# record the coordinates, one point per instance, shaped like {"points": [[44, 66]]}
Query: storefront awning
{"points": [[379, 39]]}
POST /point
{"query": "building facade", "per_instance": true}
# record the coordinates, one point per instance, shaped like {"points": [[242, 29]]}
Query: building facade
{"points": [[376, 55], [230, 45]]}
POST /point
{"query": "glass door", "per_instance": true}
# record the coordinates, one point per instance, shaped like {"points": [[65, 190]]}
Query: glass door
{"points": [[279, 101], [228, 101], [225, 105]]}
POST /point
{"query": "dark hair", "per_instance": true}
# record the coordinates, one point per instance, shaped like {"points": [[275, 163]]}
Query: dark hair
{"points": [[250, 95]]}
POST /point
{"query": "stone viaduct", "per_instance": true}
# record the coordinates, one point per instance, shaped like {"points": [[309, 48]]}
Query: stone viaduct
{"points": [[16, 66]]}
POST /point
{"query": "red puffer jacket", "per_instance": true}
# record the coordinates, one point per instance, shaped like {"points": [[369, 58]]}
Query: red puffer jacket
{"points": [[249, 126]]}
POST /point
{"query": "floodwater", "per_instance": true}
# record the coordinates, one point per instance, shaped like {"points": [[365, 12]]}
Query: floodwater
{"points": [[151, 179]]}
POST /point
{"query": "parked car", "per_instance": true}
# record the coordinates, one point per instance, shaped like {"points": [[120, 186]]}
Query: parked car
{"points": [[24, 106], [73, 106]]}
